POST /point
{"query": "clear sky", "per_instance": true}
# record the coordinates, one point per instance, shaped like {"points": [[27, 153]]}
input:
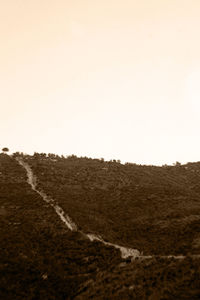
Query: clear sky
{"points": [[118, 79]]}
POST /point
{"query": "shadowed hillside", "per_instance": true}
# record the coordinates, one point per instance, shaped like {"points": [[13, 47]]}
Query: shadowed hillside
{"points": [[40, 258], [153, 279], [153, 209]]}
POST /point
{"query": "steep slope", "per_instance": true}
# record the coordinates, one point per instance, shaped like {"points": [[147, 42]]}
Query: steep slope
{"points": [[32, 181], [130, 205], [136, 206], [40, 258]]}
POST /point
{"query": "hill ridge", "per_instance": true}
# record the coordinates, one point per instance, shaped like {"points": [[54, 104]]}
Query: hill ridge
{"points": [[32, 181], [125, 252], [155, 209]]}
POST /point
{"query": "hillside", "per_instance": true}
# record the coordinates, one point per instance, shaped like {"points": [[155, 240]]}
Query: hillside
{"points": [[152, 209], [139, 206], [40, 258]]}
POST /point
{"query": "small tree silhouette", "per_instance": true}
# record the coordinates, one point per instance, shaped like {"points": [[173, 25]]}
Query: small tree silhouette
{"points": [[177, 164], [5, 149]]}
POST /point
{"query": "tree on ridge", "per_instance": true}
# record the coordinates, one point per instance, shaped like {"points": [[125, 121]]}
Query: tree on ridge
{"points": [[5, 149]]}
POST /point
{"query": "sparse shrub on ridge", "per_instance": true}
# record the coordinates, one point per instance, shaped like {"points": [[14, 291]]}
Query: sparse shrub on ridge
{"points": [[5, 150]]}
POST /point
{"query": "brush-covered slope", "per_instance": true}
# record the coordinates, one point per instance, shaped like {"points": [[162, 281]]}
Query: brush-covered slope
{"points": [[153, 279], [153, 209], [39, 257]]}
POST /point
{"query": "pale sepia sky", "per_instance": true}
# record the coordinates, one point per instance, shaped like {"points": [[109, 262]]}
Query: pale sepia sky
{"points": [[118, 79]]}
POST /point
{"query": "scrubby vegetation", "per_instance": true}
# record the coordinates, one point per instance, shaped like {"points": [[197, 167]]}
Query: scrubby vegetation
{"points": [[39, 257], [152, 279], [153, 209]]}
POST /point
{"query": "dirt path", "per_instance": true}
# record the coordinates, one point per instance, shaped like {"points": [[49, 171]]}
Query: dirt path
{"points": [[125, 252], [32, 180]]}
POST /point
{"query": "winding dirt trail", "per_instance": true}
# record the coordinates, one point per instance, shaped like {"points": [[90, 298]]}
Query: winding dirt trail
{"points": [[32, 181], [125, 252]]}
